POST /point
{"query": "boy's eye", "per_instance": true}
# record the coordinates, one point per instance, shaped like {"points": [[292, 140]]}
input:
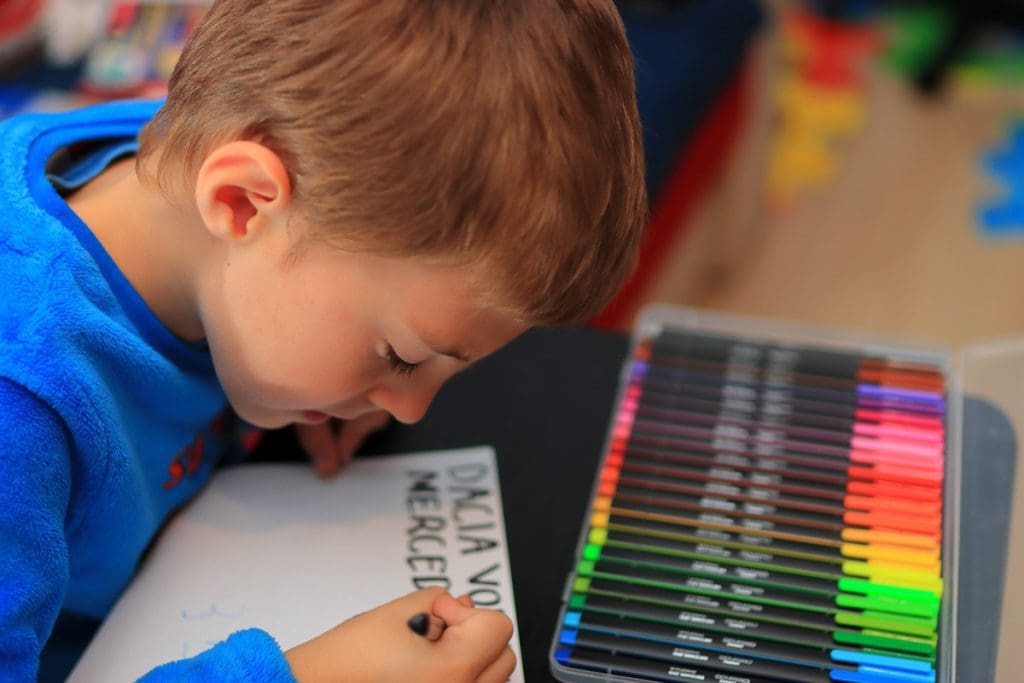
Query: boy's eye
{"points": [[398, 365]]}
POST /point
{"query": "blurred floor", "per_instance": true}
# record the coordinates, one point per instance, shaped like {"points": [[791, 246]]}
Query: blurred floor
{"points": [[891, 245]]}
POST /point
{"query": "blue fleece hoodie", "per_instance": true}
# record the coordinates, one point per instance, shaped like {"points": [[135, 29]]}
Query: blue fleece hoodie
{"points": [[108, 422]]}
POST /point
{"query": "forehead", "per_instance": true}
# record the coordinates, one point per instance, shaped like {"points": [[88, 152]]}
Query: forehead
{"points": [[451, 308], [482, 276], [448, 305]]}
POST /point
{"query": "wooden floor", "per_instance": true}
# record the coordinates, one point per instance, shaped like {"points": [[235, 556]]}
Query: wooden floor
{"points": [[891, 246]]}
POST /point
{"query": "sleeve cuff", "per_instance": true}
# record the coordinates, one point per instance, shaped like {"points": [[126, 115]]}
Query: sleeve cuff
{"points": [[247, 656]]}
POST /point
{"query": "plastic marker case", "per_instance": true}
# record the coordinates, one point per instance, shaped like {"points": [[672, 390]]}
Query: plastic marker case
{"points": [[774, 503]]}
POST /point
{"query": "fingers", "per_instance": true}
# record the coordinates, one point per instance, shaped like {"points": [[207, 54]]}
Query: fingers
{"points": [[329, 450], [500, 670], [474, 643], [319, 443], [482, 631], [452, 611], [354, 432], [421, 600]]}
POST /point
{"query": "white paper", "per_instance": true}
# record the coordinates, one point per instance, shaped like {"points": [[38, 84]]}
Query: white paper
{"points": [[273, 546]]}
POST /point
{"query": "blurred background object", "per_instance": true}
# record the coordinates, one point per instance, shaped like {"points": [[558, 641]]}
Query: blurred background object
{"points": [[691, 61], [139, 48], [60, 53], [72, 28], [21, 32]]}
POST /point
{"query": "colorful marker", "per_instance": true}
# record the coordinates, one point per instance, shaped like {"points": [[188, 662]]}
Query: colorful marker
{"points": [[764, 512]]}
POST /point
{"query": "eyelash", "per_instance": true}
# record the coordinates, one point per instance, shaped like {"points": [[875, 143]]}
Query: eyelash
{"points": [[398, 365]]}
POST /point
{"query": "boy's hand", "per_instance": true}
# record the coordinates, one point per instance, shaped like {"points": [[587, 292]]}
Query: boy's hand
{"points": [[378, 646], [333, 443]]}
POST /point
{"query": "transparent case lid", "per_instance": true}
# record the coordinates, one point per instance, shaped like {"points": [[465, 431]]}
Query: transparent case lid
{"points": [[991, 552], [981, 429]]}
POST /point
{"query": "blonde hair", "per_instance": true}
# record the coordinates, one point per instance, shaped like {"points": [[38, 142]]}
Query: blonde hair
{"points": [[500, 132]]}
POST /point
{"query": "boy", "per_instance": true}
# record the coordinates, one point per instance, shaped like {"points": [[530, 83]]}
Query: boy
{"points": [[340, 205]]}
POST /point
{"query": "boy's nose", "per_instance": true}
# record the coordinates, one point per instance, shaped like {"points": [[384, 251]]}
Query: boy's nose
{"points": [[408, 405]]}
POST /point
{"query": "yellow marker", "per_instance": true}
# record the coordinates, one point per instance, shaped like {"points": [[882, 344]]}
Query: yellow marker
{"points": [[898, 576]]}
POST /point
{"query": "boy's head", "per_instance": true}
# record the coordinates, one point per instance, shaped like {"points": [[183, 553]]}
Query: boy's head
{"points": [[447, 173], [499, 133]]}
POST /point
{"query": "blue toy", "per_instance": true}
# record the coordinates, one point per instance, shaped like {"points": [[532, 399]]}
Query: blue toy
{"points": [[1005, 217]]}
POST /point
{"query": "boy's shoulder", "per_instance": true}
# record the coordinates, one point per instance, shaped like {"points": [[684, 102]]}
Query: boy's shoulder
{"points": [[30, 141], [52, 267], [35, 221]]}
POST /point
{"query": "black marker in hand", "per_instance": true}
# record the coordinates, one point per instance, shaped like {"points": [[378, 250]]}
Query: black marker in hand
{"points": [[426, 625]]}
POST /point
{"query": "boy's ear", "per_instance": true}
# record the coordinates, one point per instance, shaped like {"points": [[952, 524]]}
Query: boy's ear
{"points": [[241, 190]]}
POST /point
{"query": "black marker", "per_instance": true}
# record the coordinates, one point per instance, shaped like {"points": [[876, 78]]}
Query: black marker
{"points": [[426, 625]]}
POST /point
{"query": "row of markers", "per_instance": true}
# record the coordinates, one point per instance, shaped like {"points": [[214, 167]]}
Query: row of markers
{"points": [[763, 513]]}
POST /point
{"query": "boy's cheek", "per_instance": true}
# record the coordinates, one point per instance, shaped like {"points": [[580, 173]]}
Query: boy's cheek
{"points": [[261, 417]]}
